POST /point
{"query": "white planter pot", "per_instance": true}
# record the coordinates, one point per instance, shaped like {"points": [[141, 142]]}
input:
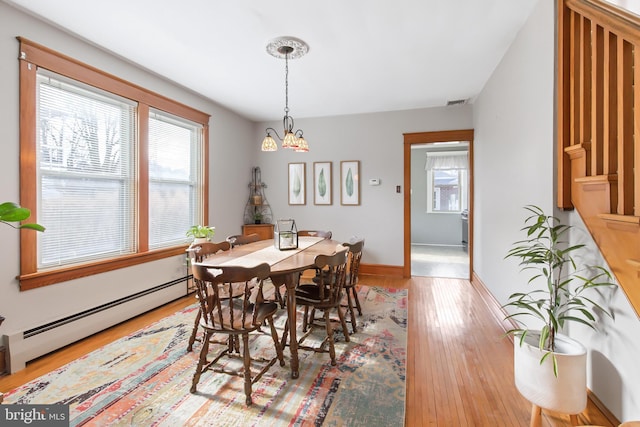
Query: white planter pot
{"points": [[566, 393], [200, 240]]}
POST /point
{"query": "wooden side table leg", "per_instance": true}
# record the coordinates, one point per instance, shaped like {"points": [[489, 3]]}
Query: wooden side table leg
{"points": [[536, 416]]}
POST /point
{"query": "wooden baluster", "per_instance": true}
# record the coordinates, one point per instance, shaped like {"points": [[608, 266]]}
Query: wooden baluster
{"points": [[625, 127]]}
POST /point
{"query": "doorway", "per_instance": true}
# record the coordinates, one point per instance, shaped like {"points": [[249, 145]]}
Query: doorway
{"points": [[438, 202]]}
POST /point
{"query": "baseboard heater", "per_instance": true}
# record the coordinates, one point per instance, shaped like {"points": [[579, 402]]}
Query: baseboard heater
{"points": [[27, 345]]}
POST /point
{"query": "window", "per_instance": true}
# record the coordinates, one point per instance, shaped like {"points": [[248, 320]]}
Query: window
{"points": [[173, 178], [98, 157], [86, 173], [446, 181]]}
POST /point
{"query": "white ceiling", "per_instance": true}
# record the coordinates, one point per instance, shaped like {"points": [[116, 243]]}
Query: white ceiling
{"points": [[364, 55]]}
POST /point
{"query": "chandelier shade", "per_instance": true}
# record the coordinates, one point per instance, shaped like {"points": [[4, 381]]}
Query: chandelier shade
{"points": [[268, 143], [286, 48]]}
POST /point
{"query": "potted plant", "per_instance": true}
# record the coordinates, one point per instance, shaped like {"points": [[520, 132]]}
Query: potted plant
{"points": [[201, 233], [550, 368], [257, 217]]}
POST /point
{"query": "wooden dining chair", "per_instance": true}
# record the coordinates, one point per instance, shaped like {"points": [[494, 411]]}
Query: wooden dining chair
{"points": [[324, 297], [196, 253], [316, 233], [235, 317], [353, 266], [242, 239]]}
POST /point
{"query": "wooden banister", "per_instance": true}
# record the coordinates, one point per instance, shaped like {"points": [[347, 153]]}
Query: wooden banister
{"points": [[599, 129]]}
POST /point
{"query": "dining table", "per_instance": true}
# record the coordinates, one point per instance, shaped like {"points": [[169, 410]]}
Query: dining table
{"points": [[286, 267]]}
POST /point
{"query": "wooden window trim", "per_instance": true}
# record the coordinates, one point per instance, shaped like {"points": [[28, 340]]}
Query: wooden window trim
{"points": [[32, 56]]}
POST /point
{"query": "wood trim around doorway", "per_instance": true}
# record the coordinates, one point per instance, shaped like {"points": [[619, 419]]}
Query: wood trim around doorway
{"points": [[425, 138]]}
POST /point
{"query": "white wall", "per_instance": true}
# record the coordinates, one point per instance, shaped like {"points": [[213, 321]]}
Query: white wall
{"points": [[230, 150], [377, 141], [514, 120]]}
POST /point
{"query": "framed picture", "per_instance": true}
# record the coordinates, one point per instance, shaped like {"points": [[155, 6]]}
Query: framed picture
{"points": [[350, 182], [297, 184], [322, 183]]}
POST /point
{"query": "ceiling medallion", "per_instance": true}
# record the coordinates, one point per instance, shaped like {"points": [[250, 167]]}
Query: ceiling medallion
{"points": [[290, 47]]}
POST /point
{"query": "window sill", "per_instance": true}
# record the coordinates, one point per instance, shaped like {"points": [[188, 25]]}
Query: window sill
{"points": [[59, 275]]}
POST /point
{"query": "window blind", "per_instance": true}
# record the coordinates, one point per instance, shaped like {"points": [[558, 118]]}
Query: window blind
{"points": [[86, 172], [175, 151]]}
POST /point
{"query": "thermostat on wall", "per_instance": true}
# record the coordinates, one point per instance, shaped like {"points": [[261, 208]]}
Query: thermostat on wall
{"points": [[374, 181]]}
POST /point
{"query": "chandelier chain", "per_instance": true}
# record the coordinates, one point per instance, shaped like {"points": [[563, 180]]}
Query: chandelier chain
{"points": [[286, 84]]}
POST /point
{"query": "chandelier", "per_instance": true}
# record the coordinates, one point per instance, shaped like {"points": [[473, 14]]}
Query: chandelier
{"points": [[287, 48]]}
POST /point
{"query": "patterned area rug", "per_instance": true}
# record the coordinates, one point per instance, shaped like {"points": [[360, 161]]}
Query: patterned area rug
{"points": [[144, 379]]}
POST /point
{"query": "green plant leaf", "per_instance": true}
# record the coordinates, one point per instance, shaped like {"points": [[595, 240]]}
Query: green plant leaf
{"points": [[297, 186], [322, 184], [200, 231], [12, 212], [32, 226], [349, 183]]}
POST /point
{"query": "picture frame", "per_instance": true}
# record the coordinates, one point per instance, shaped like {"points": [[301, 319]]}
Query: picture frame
{"points": [[322, 183], [297, 184], [350, 182]]}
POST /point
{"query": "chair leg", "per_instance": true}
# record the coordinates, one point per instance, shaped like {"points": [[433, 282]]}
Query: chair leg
{"points": [[246, 356], [305, 319], [201, 361], [352, 313], [233, 344], [194, 332], [312, 315], [276, 341], [355, 297], [279, 297], [332, 349], [343, 322], [285, 334]]}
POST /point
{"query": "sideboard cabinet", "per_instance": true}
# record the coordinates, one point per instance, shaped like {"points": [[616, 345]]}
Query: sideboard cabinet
{"points": [[265, 231]]}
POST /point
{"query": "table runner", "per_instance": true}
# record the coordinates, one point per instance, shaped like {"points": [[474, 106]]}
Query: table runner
{"points": [[271, 254]]}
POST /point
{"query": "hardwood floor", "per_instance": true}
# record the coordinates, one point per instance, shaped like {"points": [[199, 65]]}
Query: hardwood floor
{"points": [[459, 365], [439, 261]]}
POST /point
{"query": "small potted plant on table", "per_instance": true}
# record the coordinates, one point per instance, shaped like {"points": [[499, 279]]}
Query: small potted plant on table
{"points": [[550, 368], [201, 233]]}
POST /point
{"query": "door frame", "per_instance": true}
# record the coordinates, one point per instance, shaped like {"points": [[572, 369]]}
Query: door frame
{"points": [[426, 138]]}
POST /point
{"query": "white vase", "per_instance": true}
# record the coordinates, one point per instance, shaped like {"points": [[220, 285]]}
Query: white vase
{"points": [[566, 393], [200, 240]]}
